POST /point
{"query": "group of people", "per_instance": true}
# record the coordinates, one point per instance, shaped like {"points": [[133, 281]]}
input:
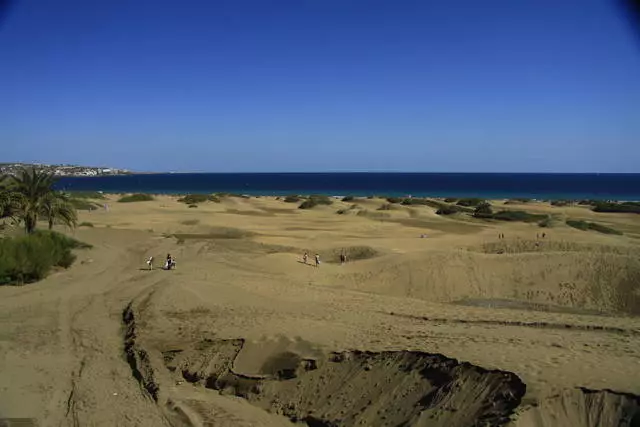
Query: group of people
{"points": [[305, 258], [169, 264]]}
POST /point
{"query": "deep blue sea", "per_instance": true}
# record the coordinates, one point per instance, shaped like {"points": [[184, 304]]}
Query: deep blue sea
{"points": [[485, 185]]}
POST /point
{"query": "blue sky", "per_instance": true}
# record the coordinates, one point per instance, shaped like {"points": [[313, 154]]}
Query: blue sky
{"points": [[321, 85]]}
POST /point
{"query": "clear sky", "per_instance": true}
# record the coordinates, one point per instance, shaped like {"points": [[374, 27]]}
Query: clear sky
{"points": [[321, 85]]}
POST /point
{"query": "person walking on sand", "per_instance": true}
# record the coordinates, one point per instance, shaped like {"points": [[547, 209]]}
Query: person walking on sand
{"points": [[150, 263], [305, 257], [317, 260], [169, 262], [343, 258]]}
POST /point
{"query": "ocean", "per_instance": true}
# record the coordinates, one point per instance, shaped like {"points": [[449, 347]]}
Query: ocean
{"points": [[484, 185]]}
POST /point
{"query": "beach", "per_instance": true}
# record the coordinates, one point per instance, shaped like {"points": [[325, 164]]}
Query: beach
{"points": [[432, 320]]}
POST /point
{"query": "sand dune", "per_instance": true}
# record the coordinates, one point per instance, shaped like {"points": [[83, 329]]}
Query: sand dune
{"points": [[455, 329]]}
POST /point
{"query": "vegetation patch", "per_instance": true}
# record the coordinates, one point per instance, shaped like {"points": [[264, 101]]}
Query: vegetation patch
{"points": [[623, 207], [314, 201], [586, 226], [136, 197], [517, 201], [29, 258], [292, 199], [395, 199], [470, 202], [86, 224], [348, 199], [86, 195], [451, 199], [193, 199], [561, 203], [521, 216], [447, 210]]}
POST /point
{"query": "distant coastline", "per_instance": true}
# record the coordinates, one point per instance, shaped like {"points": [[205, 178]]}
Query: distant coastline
{"points": [[484, 185]]}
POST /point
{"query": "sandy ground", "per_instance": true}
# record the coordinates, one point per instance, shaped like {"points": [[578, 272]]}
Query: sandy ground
{"points": [[457, 328]]}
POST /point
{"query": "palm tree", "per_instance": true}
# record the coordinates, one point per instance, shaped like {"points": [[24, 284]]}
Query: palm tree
{"points": [[36, 196], [57, 207]]}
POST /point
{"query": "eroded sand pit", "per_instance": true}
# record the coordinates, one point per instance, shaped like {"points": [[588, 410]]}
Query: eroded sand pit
{"points": [[351, 388]]}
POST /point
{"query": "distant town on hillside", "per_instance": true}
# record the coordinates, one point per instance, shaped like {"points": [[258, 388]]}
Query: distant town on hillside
{"points": [[63, 170]]}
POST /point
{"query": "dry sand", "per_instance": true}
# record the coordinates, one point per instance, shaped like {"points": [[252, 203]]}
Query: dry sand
{"points": [[455, 329]]}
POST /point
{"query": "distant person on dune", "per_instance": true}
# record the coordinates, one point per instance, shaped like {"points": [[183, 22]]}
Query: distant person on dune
{"points": [[305, 257], [317, 260], [343, 258], [169, 263], [150, 263]]}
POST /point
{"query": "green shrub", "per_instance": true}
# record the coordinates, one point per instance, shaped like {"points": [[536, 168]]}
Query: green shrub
{"points": [[411, 201], [447, 210], [624, 207], [394, 199], [137, 197], [451, 200], [192, 206], [483, 210], [470, 201], [518, 216], [348, 199], [585, 226], [292, 198], [29, 258], [86, 195], [560, 203], [192, 199], [85, 224], [603, 229], [517, 200], [314, 201]]}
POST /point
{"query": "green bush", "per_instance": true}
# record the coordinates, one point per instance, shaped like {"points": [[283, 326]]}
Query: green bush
{"points": [[348, 199], [29, 258], [517, 200], [585, 226], [624, 207], [560, 203], [470, 201], [483, 210], [394, 199], [192, 199], [314, 201], [451, 199], [292, 198], [447, 210], [415, 201], [518, 216], [137, 197], [85, 224], [86, 195]]}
